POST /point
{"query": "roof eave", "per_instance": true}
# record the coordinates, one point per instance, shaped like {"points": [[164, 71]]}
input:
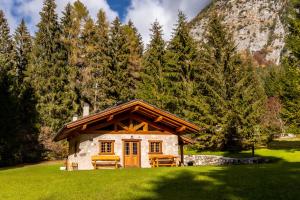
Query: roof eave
{"points": [[191, 127], [60, 131]]}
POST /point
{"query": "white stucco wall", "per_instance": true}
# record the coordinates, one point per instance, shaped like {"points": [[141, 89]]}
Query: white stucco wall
{"points": [[89, 146]]}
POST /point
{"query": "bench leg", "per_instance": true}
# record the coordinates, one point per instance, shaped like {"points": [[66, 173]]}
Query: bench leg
{"points": [[153, 163]]}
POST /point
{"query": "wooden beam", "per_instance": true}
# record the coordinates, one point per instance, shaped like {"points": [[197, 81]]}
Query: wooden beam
{"points": [[166, 119], [145, 128], [181, 155], [136, 108], [111, 117], [74, 134], [131, 127], [104, 124], [158, 119], [136, 127], [180, 129], [159, 127], [174, 119], [84, 127], [100, 116], [127, 132], [185, 140], [123, 126]]}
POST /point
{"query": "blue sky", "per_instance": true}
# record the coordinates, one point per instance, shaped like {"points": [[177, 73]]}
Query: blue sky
{"points": [[141, 12], [120, 6]]}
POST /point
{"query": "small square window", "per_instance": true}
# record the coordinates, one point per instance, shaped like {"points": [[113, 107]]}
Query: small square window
{"points": [[155, 147], [106, 147]]}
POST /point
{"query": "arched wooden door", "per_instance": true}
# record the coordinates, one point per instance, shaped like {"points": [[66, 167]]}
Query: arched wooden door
{"points": [[132, 153]]}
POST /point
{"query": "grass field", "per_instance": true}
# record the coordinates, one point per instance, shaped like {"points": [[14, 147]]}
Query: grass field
{"points": [[280, 180]]}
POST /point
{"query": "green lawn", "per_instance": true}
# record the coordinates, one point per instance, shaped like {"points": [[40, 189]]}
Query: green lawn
{"points": [[290, 145], [280, 180]]}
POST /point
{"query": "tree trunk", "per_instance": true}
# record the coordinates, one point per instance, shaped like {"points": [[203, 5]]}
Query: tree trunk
{"points": [[253, 153]]}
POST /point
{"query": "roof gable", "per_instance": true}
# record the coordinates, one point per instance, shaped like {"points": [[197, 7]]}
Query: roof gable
{"points": [[137, 110]]}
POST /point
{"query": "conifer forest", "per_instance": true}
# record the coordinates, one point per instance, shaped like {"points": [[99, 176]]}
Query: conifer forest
{"points": [[46, 78]]}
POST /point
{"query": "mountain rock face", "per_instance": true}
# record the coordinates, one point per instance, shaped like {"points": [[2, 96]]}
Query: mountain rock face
{"points": [[257, 26]]}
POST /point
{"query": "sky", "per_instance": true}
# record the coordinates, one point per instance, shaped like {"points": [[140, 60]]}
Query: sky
{"points": [[142, 12]]}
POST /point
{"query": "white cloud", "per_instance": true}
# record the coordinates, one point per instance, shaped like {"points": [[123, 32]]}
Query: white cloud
{"points": [[29, 9], [93, 6], [144, 12]]}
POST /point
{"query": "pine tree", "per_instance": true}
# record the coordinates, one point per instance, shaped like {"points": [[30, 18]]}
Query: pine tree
{"points": [[181, 74], [6, 48], [66, 29], [291, 80], [68, 40], [152, 86], [79, 16], [88, 41], [122, 86], [9, 154], [49, 75], [18, 134], [231, 89], [135, 46], [250, 102], [23, 48], [29, 149], [77, 30], [100, 59], [8, 131]]}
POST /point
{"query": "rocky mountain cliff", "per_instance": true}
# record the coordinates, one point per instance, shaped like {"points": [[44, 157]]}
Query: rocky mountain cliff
{"points": [[257, 26]]}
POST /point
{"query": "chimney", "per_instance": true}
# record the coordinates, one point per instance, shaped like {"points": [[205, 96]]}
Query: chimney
{"points": [[86, 109], [75, 118]]}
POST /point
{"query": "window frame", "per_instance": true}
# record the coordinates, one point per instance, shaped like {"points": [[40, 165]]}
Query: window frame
{"points": [[160, 146], [112, 149]]}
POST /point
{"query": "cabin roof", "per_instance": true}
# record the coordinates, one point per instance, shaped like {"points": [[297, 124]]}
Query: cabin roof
{"points": [[138, 106]]}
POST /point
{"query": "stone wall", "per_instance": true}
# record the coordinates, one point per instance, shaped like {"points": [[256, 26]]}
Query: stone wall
{"points": [[198, 160], [89, 146]]}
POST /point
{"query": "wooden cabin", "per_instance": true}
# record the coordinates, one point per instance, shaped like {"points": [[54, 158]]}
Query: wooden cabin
{"points": [[133, 134]]}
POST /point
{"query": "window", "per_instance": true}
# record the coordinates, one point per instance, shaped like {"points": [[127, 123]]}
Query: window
{"points": [[127, 148], [134, 148], [155, 147], [106, 146]]}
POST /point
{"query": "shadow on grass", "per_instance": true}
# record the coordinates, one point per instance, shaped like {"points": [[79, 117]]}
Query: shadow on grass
{"points": [[11, 167], [268, 181], [32, 164], [284, 145]]}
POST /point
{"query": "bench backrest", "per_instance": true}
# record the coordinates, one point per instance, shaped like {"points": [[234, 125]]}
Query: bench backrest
{"points": [[106, 158], [160, 156]]}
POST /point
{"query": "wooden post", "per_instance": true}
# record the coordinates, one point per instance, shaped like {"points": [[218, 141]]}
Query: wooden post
{"points": [[181, 155]]}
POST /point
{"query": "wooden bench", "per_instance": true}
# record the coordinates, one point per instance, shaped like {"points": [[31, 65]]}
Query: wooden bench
{"points": [[112, 159], [159, 160]]}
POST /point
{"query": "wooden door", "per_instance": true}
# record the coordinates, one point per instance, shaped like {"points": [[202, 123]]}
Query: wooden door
{"points": [[131, 151]]}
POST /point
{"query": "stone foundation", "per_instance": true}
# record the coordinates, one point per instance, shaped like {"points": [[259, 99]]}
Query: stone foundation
{"points": [[199, 160]]}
